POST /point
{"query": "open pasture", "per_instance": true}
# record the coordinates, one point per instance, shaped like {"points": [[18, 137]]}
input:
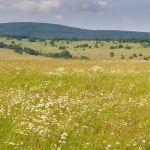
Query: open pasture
{"points": [[73, 104], [84, 49]]}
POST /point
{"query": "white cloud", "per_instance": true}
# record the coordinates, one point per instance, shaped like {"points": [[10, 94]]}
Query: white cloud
{"points": [[59, 17], [25, 6], [91, 5], [2, 7], [102, 3], [47, 5], [40, 6]]}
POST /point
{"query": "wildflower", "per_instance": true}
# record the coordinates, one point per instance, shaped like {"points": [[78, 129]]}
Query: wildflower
{"points": [[117, 143], [97, 69], [143, 141], [60, 69], [109, 146], [58, 148]]}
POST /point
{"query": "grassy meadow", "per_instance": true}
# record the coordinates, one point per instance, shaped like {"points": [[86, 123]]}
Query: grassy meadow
{"points": [[56, 104], [95, 50]]}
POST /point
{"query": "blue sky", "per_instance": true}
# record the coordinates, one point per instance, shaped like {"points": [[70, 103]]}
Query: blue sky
{"points": [[90, 14]]}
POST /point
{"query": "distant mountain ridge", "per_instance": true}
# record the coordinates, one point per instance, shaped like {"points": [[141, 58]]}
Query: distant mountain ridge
{"points": [[45, 30]]}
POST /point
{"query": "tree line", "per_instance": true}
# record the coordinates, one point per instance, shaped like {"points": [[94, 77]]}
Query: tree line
{"points": [[20, 50], [122, 40]]}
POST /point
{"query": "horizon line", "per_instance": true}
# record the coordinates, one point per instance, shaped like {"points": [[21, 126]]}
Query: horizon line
{"points": [[75, 27]]}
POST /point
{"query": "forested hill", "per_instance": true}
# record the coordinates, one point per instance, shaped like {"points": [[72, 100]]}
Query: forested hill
{"points": [[44, 30]]}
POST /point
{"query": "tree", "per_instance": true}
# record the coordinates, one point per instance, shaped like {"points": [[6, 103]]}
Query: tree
{"points": [[2, 45], [96, 46], [122, 57], [31, 51], [62, 47], [52, 43], [113, 47], [63, 54], [146, 58], [120, 46], [32, 39], [112, 54], [134, 55], [128, 47]]}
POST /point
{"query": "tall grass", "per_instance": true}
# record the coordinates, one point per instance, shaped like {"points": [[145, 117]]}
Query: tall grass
{"points": [[74, 105]]}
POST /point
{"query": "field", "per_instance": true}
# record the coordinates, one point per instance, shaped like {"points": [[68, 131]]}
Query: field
{"points": [[56, 104], [95, 50], [7, 54]]}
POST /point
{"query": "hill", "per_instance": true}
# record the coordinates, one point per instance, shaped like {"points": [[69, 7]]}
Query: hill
{"points": [[81, 49], [44, 30], [7, 54]]}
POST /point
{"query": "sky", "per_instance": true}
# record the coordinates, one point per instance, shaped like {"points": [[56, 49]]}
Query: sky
{"points": [[131, 15]]}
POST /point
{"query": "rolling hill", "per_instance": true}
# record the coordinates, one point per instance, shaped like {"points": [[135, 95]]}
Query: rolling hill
{"points": [[44, 30]]}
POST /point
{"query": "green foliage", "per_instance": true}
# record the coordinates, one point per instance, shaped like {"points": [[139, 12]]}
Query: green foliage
{"points": [[84, 46], [122, 57], [64, 54], [146, 58], [85, 58], [62, 47], [52, 43], [96, 46], [128, 47], [2, 45], [19, 49], [113, 47], [117, 47], [31, 51], [120, 46], [135, 55], [112, 54], [32, 39]]}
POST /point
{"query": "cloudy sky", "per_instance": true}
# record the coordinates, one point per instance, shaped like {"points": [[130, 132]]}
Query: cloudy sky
{"points": [[90, 14]]}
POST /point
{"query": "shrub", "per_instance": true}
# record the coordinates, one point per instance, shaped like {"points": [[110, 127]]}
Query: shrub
{"points": [[134, 55], [32, 40], [12, 42], [146, 58], [113, 47], [112, 54], [2, 45], [64, 54], [120, 46], [122, 57], [85, 58], [52, 43], [96, 46], [31, 51], [128, 47], [62, 47]]}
